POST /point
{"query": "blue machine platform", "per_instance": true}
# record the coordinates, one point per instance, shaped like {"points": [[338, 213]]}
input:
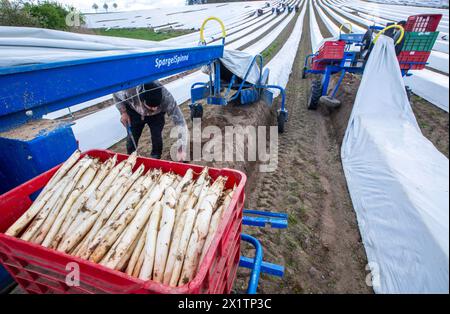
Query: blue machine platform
{"points": [[45, 88], [29, 92]]}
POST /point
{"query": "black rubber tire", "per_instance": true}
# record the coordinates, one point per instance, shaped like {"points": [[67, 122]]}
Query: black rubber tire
{"points": [[196, 111], [315, 94], [282, 118], [367, 39]]}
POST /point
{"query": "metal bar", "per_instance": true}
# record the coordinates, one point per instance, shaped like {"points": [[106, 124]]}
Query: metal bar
{"points": [[326, 80], [257, 261], [266, 268], [263, 213], [244, 80], [277, 223], [333, 94], [283, 96]]}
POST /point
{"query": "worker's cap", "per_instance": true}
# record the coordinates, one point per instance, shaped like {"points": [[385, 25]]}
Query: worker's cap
{"points": [[151, 95]]}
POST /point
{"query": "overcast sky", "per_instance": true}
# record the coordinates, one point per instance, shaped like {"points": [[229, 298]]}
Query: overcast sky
{"points": [[128, 5]]}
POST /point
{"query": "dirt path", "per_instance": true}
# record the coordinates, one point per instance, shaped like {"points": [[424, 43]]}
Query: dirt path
{"points": [[321, 249]]}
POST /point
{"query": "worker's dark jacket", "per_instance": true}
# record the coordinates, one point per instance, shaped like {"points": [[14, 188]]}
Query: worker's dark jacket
{"points": [[168, 105]]}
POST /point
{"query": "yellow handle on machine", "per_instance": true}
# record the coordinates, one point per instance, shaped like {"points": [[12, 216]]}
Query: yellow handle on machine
{"points": [[402, 30], [349, 28], [212, 18]]}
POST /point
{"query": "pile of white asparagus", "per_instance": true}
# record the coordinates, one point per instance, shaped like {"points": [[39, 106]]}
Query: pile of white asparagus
{"points": [[154, 226]]}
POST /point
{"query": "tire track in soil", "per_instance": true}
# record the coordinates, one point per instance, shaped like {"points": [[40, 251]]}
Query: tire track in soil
{"points": [[321, 249]]}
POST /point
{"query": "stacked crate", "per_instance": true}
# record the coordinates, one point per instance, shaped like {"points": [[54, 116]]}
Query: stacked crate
{"points": [[420, 37]]}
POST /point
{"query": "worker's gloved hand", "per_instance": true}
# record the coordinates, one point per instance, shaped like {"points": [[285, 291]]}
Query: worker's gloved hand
{"points": [[125, 119]]}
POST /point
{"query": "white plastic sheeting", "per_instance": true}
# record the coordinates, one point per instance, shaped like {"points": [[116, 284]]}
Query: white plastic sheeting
{"points": [[26, 45], [281, 65], [399, 183], [239, 63]]}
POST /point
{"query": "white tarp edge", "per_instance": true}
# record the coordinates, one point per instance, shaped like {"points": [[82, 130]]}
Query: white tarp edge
{"points": [[239, 63], [26, 45], [399, 183]]}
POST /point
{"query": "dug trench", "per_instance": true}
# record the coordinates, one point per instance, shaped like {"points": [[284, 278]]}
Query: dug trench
{"points": [[321, 250]]}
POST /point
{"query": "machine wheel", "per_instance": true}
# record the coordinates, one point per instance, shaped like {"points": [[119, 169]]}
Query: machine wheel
{"points": [[330, 102], [316, 93], [196, 111], [282, 119]]}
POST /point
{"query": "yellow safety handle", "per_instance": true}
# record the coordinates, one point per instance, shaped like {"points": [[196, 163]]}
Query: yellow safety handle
{"points": [[346, 24], [402, 30], [212, 18]]}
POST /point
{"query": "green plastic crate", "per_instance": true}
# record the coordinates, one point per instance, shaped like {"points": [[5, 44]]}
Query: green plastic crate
{"points": [[415, 41]]}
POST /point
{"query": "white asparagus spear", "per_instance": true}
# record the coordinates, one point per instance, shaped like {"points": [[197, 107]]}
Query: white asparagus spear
{"points": [[40, 218], [137, 224], [125, 259], [119, 220], [182, 246], [150, 243], [215, 222], [164, 234], [81, 201], [200, 230], [199, 186], [182, 201], [81, 186], [137, 251], [43, 197], [140, 261], [97, 221], [178, 230], [101, 210], [54, 212]]}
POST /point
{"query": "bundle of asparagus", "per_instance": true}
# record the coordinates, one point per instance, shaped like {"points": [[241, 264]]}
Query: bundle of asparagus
{"points": [[154, 225]]}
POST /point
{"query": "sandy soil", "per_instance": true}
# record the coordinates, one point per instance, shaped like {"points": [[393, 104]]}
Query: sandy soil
{"points": [[321, 249], [31, 130]]}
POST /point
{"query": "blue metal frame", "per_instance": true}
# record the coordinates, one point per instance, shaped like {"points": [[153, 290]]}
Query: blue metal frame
{"points": [[256, 264], [45, 88], [245, 90], [340, 66]]}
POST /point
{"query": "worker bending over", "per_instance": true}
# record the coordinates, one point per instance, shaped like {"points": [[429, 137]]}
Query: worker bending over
{"points": [[148, 104]]}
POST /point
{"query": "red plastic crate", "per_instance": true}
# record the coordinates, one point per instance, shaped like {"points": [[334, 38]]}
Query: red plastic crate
{"points": [[423, 23], [317, 65], [408, 59], [40, 270], [332, 50]]}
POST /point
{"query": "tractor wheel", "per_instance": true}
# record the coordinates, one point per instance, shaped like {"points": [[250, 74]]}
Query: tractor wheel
{"points": [[330, 102], [196, 111], [316, 93], [282, 119]]}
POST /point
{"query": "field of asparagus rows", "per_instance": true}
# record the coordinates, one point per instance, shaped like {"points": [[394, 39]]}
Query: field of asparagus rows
{"points": [[152, 225]]}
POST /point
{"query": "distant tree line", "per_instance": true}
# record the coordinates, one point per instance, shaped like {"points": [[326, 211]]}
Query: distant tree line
{"points": [[44, 14]]}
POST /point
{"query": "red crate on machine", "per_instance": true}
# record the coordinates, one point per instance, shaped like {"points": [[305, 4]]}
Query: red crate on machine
{"points": [[40, 270], [318, 65], [423, 23], [413, 60], [332, 50]]}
